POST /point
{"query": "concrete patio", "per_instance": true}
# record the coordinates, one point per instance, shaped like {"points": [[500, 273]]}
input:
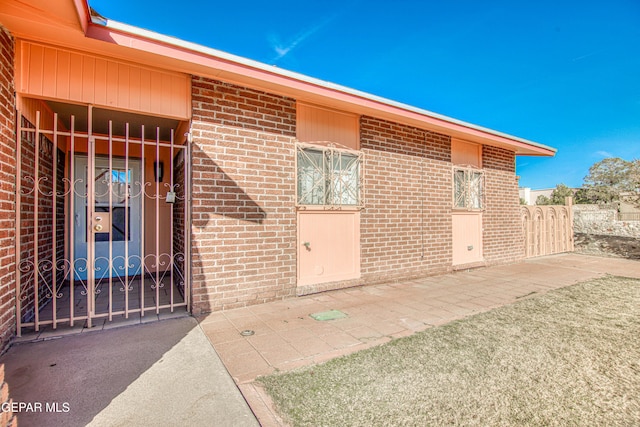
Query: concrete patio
{"points": [[285, 337]]}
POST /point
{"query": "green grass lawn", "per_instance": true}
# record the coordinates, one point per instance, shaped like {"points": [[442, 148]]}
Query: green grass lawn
{"points": [[568, 357]]}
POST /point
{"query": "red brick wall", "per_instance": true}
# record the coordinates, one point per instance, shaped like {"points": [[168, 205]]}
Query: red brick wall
{"points": [[244, 219], [42, 232], [7, 418], [179, 217], [7, 189], [503, 237], [406, 223]]}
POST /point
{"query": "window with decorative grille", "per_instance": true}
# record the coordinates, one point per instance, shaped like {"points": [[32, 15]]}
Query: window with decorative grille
{"points": [[328, 177], [468, 189]]}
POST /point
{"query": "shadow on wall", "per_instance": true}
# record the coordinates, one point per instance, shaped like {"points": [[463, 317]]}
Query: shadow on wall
{"points": [[215, 195]]}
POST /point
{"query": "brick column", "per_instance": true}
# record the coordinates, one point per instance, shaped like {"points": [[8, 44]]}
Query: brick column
{"points": [[7, 189], [243, 208], [503, 235]]}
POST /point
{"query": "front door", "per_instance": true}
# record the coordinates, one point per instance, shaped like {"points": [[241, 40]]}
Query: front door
{"points": [[103, 220], [107, 218]]}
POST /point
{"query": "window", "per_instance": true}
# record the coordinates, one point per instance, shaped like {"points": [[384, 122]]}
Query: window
{"points": [[112, 189], [328, 176], [468, 188]]}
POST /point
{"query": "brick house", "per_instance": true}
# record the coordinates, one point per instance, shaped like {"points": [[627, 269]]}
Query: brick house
{"points": [[142, 174]]}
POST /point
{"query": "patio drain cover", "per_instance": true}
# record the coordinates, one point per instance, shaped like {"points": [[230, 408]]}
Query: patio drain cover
{"points": [[328, 315]]}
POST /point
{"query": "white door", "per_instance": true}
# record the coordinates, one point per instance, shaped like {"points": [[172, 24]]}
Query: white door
{"points": [[112, 224]]}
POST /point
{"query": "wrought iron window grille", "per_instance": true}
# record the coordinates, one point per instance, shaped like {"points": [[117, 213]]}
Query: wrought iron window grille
{"points": [[328, 176], [468, 188]]}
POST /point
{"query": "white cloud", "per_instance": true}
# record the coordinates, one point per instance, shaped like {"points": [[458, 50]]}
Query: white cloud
{"points": [[283, 49], [601, 153], [580, 58]]}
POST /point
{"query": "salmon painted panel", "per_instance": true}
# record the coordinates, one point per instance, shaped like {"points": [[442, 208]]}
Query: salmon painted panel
{"points": [[467, 237], [328, 246], [466, 153], [318, 124], [54, 73]]}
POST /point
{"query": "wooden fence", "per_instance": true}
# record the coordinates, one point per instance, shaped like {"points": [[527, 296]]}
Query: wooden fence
{"points": [[547, 229]]}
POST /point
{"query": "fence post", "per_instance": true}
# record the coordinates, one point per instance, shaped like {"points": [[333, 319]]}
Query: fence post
{"points": [[568, 201]]}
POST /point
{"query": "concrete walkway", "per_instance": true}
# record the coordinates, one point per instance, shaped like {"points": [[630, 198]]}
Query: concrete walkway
{"points": [[164, 373], [285, 337]]}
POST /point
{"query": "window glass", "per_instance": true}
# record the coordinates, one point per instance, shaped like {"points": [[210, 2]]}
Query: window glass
{"points": [[328, 176], [120, 218], [311, 181], [344, 181], [475, 190], [468, 185], [459, 187]]}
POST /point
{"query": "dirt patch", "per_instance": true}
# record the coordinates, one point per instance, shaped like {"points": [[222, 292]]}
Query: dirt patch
{"points": [[614, 246]]}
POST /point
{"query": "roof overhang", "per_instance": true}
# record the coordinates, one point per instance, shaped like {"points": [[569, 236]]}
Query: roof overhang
{"points": [[69, 23]]}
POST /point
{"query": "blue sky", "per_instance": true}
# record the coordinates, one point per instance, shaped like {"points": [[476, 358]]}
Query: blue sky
{"points": [[561, 73]]}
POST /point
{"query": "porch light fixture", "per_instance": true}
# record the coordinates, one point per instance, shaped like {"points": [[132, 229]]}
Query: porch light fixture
{"points": [[158, 171]]}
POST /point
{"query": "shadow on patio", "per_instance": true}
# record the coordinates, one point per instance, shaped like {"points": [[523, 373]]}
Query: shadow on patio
{"points": [[160, 373]]}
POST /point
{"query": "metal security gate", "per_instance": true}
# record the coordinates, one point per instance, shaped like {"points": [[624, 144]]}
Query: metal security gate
{"points": [[102, 218]]}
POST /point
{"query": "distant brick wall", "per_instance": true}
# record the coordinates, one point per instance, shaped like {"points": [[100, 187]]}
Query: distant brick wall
{"points": [[244, 218], [502, 223], [7, 189], [406, 224]]}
